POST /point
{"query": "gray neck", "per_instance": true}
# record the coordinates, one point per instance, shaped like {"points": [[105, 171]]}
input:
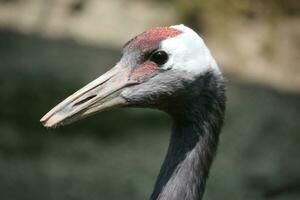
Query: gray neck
{"points": [[192, 147]]}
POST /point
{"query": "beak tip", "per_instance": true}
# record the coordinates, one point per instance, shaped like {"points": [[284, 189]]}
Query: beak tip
{"points": [[45, 123], [43, 120], [48, 121]]}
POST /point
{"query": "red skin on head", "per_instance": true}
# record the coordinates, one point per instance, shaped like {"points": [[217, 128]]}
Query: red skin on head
{"points": [[152, 37], [146, 41], [146, 69]]}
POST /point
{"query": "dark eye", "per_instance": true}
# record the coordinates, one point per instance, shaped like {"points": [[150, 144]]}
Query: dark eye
{"points": [[159, 57]]}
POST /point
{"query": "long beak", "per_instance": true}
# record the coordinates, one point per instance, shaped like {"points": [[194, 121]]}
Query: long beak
{"points": [[100, 94]]}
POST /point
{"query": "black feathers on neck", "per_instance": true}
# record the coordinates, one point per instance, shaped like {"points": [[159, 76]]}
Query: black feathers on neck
{"points": [[197, 121]]}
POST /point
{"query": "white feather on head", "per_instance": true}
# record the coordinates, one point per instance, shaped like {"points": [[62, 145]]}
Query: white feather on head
{"points": [[188, 52]]}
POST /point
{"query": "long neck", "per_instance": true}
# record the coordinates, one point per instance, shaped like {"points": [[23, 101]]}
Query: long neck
{"points": [[193, 144]]}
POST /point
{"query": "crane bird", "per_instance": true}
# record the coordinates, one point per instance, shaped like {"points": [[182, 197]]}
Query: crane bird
{"points": [[170, 69]]}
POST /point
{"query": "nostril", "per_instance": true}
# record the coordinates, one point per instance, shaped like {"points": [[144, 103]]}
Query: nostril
{"points": [[84, 100]]}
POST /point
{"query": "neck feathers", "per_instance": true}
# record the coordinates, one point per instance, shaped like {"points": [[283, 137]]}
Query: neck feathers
{"points": [[193, 143]]}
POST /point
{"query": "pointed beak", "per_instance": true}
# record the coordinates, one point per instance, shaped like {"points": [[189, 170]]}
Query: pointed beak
{"points": [[100, 94]]}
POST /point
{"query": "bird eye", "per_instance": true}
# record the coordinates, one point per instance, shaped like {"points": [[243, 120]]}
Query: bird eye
{"points": [[159, 57]]}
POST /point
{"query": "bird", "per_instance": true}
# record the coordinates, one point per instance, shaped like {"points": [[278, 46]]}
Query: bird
{"points": [[170, 69]]}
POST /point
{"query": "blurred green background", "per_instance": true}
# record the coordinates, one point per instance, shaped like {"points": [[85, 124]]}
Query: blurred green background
{"points": [[49, 49]]}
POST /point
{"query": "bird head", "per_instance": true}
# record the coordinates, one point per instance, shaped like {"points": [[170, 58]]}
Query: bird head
{"points": [[156, 66]]}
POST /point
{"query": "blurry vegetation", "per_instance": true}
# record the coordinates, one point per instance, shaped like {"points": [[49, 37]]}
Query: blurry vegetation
{"points": [[117, 155], [198, 14], [9, 1], [77, 6]]}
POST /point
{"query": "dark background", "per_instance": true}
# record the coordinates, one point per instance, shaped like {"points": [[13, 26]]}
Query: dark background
{"points": [[117, 154]]}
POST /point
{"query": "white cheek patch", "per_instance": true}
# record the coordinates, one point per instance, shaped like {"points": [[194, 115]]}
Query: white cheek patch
{"points": [[188, 52]]}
